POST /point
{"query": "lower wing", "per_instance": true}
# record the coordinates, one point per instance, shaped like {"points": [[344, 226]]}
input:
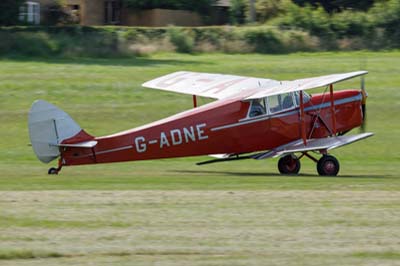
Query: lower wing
{"points": [[311, 145]]}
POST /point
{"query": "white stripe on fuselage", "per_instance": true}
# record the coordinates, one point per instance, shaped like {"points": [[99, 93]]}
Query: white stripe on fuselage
{"points": [[116, 149]]}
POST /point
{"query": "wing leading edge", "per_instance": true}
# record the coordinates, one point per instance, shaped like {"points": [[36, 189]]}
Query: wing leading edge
{"points": [[216, 86], [219, 86], [305, 84]]}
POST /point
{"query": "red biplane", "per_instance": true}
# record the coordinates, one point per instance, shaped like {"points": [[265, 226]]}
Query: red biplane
{"points": [[252, 118]]}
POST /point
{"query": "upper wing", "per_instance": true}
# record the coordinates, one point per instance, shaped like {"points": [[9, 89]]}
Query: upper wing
{"points": [[312, 145], [217, 86], [305, 84]]}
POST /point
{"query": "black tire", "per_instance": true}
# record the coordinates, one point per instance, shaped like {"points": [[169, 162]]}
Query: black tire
{"points": [[53, 171], [289, 165], [328, 166]]}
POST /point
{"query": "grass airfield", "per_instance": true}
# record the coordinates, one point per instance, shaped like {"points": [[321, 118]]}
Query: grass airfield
{"points": [[172, 212]]}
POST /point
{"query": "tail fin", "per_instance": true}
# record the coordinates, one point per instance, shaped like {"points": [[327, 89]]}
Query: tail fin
{"points": [[49, 126]]}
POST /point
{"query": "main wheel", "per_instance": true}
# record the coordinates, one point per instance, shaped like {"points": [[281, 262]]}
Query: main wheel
{"points": [[289, 165], [53, 171], [328, 166]]}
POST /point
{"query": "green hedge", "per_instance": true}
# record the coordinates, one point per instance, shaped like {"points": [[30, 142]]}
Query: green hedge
{"points": [[291, 29], [379, 26], [73, 41]]}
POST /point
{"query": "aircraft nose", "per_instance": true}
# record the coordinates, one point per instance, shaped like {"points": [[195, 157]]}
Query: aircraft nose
{"points": [[363, 104]]}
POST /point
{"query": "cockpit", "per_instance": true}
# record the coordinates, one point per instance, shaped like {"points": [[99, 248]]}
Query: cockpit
{"points": [[276, 103]]}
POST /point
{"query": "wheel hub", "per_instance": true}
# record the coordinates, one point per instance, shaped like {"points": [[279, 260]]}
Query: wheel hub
{"points": [[329, 167], [291, 165]]}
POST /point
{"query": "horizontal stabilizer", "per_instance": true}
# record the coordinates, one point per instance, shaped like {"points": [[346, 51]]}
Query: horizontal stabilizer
{"points": [[312, 145], [85, 144]]}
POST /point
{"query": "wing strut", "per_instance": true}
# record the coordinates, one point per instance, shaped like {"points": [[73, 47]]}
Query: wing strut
{"points": [[333, 112], [194, 101], [302, 120]]}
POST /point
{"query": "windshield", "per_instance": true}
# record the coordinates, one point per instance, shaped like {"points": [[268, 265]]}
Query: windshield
{"points": [[257, 107], [306, 97], [276, 103]]}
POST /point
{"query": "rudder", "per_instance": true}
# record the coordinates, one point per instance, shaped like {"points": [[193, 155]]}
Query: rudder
{"points": [[48, 127]]}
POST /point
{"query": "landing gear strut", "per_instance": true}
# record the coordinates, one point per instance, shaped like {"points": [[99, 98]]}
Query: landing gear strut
{"points": [[289, 165]]}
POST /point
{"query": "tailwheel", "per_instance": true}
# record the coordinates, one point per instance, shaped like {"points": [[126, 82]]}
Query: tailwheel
{"points": [[328, 166], [289, 165], [53, 171]]}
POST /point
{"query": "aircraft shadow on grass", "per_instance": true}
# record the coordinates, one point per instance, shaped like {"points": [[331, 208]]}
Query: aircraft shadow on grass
{"points": [[249, 174]]}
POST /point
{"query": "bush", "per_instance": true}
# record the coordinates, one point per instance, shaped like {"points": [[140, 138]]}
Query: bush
{"points": [[350, 24], [237, 11], [386, 15], [338, 5], [358, 32], [182, 40], [314, 20], [264, 40], [295, 41], [268, 9], [28, 44]]}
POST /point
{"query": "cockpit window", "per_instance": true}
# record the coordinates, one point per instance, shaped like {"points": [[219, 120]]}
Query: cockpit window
{"points": [[257, 107], [280, 102], [276, 103], [287, 100], [306, 97]]}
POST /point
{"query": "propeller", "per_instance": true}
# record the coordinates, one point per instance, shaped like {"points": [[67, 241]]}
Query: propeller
{"points": [[363, 65], [363, 104]]}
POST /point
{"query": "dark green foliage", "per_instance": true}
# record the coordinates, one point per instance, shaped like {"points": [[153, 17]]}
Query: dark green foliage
{"points": [[237, 11], [9, 10], [213, 35], [337, 5], [64, 41], [30, 44], [308, 30], [386, 15], [349, 24], [314, 20], [264, 41], [182, 40], [377, 28], [268, 9], [201, 6]]}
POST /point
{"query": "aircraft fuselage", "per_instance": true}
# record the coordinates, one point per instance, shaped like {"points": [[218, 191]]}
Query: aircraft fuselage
{"points": [[223, 126]]}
